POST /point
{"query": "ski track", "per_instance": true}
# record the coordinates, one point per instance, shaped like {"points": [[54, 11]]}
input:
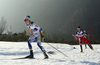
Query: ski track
{"points": [[10, 50]]}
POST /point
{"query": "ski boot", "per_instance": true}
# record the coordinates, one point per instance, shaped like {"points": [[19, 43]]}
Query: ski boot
{"points": [[45, 56], [90, 47], [93, 49], [81, 51], [31, 54]]}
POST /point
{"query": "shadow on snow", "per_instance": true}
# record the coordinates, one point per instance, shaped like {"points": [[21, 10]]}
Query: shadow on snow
{"points": [[17, 53], [90, 63]]}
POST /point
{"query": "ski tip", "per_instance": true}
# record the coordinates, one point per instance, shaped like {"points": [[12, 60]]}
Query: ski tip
{"points": [[17, 58], [96, 51], [21, 58], [13, 59]]}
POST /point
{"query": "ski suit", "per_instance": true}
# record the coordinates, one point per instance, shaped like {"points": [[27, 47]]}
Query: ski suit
{"points": [[82, 37], [35, 36]]}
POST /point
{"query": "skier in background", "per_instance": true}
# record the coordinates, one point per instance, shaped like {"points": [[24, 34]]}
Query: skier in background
{"points": [[36, 34], [82, 36]]}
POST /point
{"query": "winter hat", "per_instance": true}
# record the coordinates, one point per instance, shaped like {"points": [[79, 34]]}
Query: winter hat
{"points": [[27, 17], [78, 27]]}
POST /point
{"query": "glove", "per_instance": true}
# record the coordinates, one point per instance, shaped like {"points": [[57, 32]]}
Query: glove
{"points": [[76, 38], [42, 38]]}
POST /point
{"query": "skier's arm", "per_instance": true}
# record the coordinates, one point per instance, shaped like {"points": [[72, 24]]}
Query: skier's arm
{"points": [[42, 33], [31, 32], [76, 36]]}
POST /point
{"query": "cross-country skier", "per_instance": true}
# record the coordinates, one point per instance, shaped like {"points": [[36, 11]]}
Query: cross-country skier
{"points": [[82, 36], [36, 34]]}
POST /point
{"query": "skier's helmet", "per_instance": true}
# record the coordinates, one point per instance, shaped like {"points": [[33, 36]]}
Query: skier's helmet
{"points": [[27, 18]]}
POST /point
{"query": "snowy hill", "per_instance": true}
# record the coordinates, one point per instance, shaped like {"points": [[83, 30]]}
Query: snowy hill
{"points": [[9, 50]]}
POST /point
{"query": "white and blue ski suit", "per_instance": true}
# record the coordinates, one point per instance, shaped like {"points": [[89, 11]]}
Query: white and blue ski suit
{"points": [[35, 36]]}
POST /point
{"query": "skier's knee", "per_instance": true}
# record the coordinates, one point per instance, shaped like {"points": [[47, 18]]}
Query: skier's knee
{"points": [[29, 41], [39, 45]]}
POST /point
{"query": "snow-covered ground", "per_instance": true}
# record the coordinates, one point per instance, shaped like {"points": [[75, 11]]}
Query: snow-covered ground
{"points": [[10, 50]]}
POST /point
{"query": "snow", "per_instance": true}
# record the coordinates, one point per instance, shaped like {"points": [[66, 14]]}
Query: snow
{"points": [[10, 50]]}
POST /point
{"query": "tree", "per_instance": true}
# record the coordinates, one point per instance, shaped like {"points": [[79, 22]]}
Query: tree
{"points": [[3, 26]]}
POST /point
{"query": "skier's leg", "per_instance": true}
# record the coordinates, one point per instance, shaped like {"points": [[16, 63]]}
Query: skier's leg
{"points": [[85, 43], [41, 47], [31, 39], [80, 42], [85, 46], [29, 45], [81, 47], [89, 44]]}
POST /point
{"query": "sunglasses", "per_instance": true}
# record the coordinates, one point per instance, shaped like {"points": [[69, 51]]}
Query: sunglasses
{"points": [[26, 20]]}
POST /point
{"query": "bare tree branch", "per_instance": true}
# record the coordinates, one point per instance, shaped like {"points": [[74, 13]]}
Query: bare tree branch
{"points": [[3, 25]]}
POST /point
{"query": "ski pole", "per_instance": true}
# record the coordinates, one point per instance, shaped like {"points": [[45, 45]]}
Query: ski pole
{"points": [[57, 50]]}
